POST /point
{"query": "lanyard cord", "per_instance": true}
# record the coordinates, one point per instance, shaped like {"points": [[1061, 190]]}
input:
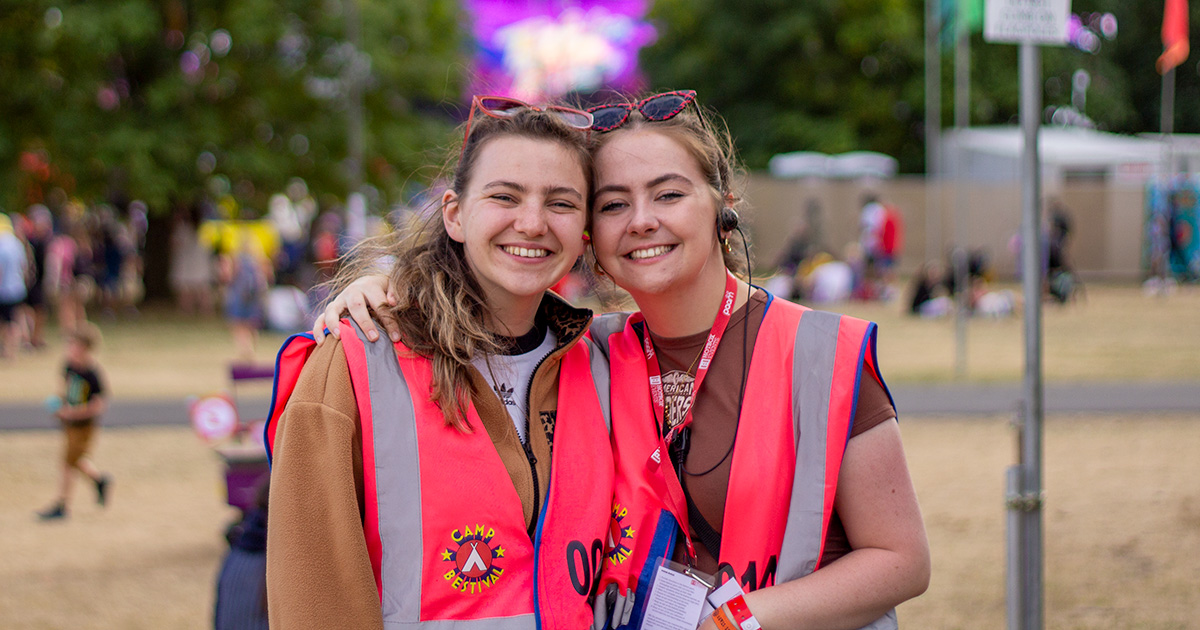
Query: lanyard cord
{"points": [[709, 537], [658, 466], [741, 392], [683, 452]]}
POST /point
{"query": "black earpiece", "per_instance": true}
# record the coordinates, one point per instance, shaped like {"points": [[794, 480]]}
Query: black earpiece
{"points": [[727, 219]]}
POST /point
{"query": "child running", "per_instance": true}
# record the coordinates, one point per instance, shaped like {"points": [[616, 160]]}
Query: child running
{"points": [[79, 407]]}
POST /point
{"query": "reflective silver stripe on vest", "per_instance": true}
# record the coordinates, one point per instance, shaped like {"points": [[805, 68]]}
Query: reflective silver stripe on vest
{"points": [[601, 379], [522, 622], [812, 374], [397, 481], [604, 326], [812, 378], [398, 493]]}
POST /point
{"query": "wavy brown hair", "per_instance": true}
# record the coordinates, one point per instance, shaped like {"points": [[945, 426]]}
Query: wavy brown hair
{"points": [[441, 309], [712, 147]]}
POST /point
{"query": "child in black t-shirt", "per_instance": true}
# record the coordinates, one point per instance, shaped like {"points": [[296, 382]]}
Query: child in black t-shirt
{"points": [[79, 408]]}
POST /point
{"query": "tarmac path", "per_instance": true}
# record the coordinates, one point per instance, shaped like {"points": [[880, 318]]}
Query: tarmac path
{"points": [[912, 400]]}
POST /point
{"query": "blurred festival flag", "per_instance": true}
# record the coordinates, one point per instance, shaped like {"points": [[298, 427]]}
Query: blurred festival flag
{"points": [[971, 12], [537, 49], [1174, 35]]}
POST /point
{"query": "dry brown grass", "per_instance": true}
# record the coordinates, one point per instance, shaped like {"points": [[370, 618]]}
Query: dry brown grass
{"points": [[159, 355], [1116, 334], [1122, 527], [147, 561], [1122, 522]]}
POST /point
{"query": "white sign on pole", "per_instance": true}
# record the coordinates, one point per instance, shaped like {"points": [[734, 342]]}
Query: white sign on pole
{"points": [[1021, 21]]}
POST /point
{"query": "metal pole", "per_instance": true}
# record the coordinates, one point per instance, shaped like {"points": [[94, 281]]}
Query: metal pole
{"points": [[1030, 503], [962, 68], [1167, 121], [962, 120], [1013, 538], [933, 130]]}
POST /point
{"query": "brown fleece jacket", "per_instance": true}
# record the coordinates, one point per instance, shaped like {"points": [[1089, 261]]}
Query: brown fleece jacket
{"points": [[318, 571]]}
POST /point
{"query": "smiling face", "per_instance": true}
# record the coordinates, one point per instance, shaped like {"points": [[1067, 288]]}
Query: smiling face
{"points": [[654, 217], [520, 219]]}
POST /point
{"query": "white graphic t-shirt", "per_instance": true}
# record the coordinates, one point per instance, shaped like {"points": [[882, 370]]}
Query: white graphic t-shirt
{"points": [[510, 376]]}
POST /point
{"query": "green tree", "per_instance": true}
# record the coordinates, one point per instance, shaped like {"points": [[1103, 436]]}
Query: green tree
{"points": [[1134, 52], [826, 75], [841, 75], [157, 100]]}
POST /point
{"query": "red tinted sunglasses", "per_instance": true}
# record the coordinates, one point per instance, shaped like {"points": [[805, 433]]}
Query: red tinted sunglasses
{"points": [[504, 107], [658, 108]]}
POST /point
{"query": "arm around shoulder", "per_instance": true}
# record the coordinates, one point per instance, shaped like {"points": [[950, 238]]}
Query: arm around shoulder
{"points": [[318, 571]]}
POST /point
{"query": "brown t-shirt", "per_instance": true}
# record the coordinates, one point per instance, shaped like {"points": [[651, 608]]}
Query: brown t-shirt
{"points": [[714, 424]]}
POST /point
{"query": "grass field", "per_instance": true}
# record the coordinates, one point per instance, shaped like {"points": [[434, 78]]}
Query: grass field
{"points": [[1122, 519], [1116, 334], [1122, 527]]}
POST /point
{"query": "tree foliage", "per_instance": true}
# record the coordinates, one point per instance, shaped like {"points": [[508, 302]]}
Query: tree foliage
{"points": [[156, 100], [163, 99], [843, 75], [824, 75]]}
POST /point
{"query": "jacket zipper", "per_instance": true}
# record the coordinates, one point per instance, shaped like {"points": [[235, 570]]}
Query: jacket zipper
{"points": [[526, 445], [529, 449]]}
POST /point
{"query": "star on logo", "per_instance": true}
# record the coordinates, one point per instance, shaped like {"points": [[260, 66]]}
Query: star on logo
{"points": [[620, 536]]}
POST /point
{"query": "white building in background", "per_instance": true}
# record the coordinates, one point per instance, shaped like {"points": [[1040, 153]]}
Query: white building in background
{"points": [[993, 154], [1098, 177], [853, 165]]}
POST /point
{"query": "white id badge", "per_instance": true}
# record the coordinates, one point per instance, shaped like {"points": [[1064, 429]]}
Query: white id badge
{"points": [[676, 599], [724, 593]]}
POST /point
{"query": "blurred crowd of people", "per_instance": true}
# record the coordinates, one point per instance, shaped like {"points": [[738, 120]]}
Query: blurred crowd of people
{"points": [[809, 272], [264, 273], [64, 262], [934, 290], [864, 269]]}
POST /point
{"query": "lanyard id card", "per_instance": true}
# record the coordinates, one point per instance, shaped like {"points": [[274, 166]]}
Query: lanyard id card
{"points": [[677, 598]]}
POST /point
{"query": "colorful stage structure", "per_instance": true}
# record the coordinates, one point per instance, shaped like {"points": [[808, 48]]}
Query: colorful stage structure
{"points": [[547, 49]]}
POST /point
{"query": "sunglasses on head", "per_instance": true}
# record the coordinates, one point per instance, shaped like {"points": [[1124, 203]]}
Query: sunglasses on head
{"points": [[657, 108], [504, 107]]}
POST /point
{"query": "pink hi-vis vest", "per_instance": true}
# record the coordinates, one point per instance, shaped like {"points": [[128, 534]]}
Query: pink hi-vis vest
{"points": [[801, 392], [444, 525]]}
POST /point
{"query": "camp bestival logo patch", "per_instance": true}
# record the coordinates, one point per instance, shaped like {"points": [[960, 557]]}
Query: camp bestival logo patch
{"points": [[473, 557], [620, 536]]}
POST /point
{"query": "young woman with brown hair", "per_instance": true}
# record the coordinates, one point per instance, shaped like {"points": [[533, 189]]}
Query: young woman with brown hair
{"points": [[413, 482]]}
